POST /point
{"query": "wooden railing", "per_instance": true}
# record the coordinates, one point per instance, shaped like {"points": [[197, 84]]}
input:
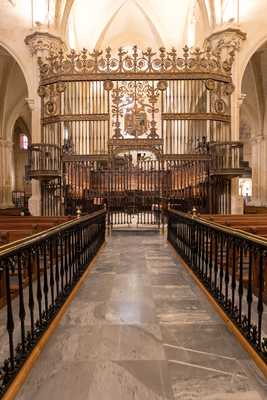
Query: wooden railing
{"points": [[56, 259], [232, 266]]}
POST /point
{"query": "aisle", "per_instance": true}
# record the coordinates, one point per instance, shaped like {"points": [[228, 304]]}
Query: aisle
{"points": [[140, 329]]}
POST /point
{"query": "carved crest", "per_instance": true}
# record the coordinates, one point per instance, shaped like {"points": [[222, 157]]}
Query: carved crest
{"points": [[135, 122]]}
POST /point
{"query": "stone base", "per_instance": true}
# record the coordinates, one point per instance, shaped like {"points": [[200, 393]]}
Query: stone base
{"points": [[34, 204], [7, 205], [237, 204]]}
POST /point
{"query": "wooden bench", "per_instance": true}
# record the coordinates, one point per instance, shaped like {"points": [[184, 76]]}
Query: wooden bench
{"points": [[255, 210], [27, 226]]}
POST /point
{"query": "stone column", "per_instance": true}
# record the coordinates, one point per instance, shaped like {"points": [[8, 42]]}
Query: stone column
{"points": [[40, 45], [226, 41], [257, 143], [6, 147], [34, 202]]}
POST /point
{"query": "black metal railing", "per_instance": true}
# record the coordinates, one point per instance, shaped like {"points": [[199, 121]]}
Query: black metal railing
{"points": [[44, 269], [232, 265]]}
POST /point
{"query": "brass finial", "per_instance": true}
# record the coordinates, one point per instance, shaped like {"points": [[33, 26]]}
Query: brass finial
{"points": [[194, 212], [169, 206], [78, 212]]}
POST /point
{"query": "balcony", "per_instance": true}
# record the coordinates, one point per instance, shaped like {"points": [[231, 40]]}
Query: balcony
{"points": [[227, 160], [44, 160]]}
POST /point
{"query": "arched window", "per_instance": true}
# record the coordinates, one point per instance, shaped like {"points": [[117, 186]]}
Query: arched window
{"points": [[24, 142]]}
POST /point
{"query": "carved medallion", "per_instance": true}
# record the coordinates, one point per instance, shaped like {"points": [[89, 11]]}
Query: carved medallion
{"points": [[41, 91], [210, 84], [51, 107], [60, 87], [162, 85], [220, 106], [229, 88], [108, 85]]}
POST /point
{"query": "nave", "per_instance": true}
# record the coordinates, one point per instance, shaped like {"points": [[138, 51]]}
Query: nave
{"points": [[140, 328]]}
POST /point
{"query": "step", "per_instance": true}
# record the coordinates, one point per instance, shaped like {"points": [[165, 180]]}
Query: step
{"points": [[132, 231]]}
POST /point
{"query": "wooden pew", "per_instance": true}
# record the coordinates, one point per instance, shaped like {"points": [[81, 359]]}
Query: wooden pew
{"points": [[27, 226], [255, 210]]}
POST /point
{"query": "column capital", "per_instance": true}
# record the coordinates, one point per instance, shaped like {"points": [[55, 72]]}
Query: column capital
{"points": [[255, 140], [240, 99], [31, 103], [43, 41], [229, 39], [6, 143]]}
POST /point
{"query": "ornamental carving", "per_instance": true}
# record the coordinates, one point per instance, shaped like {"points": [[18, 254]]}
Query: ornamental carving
{"points": [[220, 106], [134, 76], [43, 41], [187, 157], [231, 41], [229, 88], [145, 62], [51, 100], [60, 87], [41, 91], [227, 42], [195, 116], [78, 117], [219, 98], [132, 101], [210, 84]]}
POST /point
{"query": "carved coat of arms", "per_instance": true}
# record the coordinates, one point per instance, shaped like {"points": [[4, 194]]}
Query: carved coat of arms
{"points": [[135, 122]]}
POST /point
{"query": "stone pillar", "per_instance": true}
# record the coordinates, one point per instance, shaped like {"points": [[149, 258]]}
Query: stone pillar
{"points": [[257, 144], [6, 173], [226, 41], [40, 45], [259, 171]]}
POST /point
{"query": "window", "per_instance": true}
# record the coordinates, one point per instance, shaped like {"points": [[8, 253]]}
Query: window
{"points": [[23, 142]]}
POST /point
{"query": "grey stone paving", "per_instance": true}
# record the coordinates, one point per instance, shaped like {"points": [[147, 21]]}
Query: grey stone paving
{"points": [[140, 329]]}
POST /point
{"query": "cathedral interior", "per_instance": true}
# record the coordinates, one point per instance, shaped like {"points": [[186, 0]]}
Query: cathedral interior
{"points": [[136, 109], [134, 104]]}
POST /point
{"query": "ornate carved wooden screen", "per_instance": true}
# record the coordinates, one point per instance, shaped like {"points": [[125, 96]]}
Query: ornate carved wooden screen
{"points": [[135, 132]]}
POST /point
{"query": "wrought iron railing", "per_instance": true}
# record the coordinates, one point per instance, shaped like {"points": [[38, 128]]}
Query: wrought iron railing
{"points": [[44, 161], [227, 159], [50, 264], [231, 265]]}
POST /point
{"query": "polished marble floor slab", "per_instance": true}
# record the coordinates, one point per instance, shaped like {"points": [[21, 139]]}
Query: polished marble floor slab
{"points": [[140, 329]]}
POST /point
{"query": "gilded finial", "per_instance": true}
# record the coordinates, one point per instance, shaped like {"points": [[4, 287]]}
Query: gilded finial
{"points": [[78, 212]]}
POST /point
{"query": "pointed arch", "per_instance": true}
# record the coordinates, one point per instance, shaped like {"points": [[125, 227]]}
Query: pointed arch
{"points": [[143, 6], [25, 71]]}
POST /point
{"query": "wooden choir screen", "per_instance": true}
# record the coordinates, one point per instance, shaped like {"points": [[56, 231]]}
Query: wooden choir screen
{"points": [[134, 132]]}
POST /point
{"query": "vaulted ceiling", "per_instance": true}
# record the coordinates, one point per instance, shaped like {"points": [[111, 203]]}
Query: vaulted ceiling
{"points": [[146, 23]]}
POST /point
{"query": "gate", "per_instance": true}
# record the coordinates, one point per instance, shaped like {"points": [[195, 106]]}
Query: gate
{"points": [[135, 191], [136, 131]]}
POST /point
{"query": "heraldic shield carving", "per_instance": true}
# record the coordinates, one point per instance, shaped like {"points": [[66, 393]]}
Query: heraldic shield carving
{"points": [[135, 122], [132, 101]]}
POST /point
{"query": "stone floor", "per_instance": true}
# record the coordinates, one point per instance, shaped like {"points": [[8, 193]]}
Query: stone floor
{"points": [[140, 329]]}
